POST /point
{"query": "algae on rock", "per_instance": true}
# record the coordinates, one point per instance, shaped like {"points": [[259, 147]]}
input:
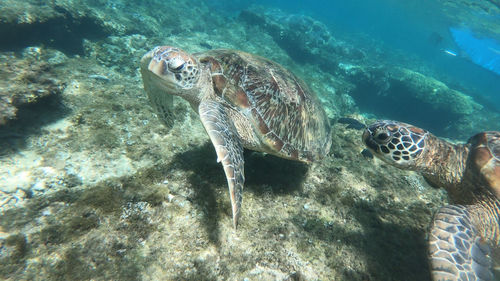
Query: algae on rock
{"points": [[26, 80]]}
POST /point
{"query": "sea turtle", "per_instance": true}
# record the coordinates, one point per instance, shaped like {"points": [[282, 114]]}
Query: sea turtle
{"points": [[462, 234], [244, 101]]}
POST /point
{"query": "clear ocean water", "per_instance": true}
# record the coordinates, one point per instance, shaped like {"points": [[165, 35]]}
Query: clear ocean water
{"points": [[421, 30]]}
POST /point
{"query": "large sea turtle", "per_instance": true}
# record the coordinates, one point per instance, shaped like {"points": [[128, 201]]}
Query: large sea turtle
{"points": [[462, 234], [244, 101]]}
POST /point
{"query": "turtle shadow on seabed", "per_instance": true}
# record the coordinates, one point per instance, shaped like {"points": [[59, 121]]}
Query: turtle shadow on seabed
{"points": [[267, 173], [391, 251], [263, 174], [400, 249]]}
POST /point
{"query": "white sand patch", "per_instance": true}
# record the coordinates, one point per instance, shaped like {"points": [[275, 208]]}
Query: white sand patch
{"points": [[95, 167], [17, 171]]}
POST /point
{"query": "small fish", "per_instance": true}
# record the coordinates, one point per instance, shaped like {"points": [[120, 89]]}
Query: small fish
{"points": [[450, 52], [206, 45], [99, 77], [351, 123]]}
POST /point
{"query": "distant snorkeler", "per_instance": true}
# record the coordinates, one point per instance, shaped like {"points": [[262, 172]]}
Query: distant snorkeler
{"points": [[435, 39]]}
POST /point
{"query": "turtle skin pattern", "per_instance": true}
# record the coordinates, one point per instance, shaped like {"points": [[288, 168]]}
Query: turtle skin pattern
{"points": [[462, 234]]}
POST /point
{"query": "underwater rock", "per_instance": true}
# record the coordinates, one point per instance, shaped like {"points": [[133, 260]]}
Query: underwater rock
{"points": [[302, 37], [31, 23], [26, 80], [403, 94], [122, 53], [496, 2], [12, 251], [66, 24]]}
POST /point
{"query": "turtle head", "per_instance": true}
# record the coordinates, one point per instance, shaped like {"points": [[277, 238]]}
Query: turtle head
{"points": [[171, 68], [396, 143]]}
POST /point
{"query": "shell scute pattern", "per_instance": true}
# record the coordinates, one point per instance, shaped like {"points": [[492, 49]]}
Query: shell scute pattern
{"points": [[282, 108], [224, 72]]}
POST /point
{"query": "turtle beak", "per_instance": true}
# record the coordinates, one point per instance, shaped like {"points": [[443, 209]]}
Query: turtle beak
{"points": [[368, 140], [145, 60], [366, 135], [158, 67]]}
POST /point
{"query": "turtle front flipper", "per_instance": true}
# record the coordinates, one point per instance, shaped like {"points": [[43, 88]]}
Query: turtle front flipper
{"points": [[162, 103], [455, 247], [229, 150]]}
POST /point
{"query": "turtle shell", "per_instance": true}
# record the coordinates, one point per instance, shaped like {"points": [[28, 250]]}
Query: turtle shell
{"points": [[285, 115], [485, 158]]}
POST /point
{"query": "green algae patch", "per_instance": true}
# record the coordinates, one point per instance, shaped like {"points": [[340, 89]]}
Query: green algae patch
{"points": [[173, 221]]}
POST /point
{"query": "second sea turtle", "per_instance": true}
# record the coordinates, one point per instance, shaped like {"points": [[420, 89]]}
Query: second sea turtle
{"points": [[244, 101], [463, 233]]}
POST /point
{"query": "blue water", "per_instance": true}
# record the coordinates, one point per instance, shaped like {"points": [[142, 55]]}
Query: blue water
{"points": [[416, 28]]}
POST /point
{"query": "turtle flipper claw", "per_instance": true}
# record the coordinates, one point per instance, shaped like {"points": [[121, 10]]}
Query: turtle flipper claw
{"points": [[455, 248], [229, 150]]}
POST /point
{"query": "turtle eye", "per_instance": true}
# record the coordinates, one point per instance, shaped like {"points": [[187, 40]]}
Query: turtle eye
{"points": [[176, 64], [382, 136]]}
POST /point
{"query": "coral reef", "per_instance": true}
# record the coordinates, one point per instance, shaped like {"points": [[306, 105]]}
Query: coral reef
{"points": [[302, 37], [33, 22], [27, 80], [402, 94], [28, 23]]}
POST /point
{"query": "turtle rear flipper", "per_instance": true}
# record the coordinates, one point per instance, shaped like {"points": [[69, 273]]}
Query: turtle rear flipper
{"points": [[455, 247], [229, 149]]}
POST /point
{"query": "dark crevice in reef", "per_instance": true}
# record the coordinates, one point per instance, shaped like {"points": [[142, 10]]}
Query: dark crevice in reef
{"points": [[29, 121], [63, 32]]}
